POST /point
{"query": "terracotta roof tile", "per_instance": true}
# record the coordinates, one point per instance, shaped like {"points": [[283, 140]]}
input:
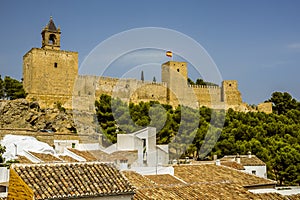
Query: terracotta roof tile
{"points": [[68, 159], [294, 197], [98, 155], [73, 179], [131, 156], [271, 196], [216, 191], [85, 154], [245, 160], [211, 173], [198, 185], [233, 165], [138, 180], [23, 159], [164, 179], [45, 157]]}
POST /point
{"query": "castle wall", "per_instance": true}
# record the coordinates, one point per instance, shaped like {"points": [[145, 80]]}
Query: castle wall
{"points": [[131, 90], [209, 96], [49, 76], [265, 107]]}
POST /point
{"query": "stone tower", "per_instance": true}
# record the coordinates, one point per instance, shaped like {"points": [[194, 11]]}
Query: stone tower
{"points": [[230, 93], [48, 72], [175, 75]]}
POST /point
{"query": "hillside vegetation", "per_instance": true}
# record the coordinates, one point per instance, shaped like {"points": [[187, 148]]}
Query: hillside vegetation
{"points": [[274, 137]]}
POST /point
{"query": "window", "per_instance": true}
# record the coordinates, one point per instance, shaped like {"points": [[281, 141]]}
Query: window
{"points": [[253, 172], [144, 151], [178, 69], [73, 145], [230, 84], [55, 65], [123, 161], [52, 39]]}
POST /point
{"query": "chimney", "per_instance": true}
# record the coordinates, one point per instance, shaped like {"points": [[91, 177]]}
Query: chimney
{"points": [[238, 158], [218, 162], [215, 157], [249, 154], [123, 164]]}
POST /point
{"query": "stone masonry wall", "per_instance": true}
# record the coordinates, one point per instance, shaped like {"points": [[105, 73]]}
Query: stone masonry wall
{"points": [[49, 76], [207, 95]]}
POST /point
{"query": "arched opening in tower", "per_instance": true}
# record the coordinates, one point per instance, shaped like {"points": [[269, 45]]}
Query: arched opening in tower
{"points": [[52, 39]]}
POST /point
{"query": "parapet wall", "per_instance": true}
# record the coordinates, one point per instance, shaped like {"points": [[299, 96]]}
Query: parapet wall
{"points": [[89, 88], [131, 90], [207, 95]]}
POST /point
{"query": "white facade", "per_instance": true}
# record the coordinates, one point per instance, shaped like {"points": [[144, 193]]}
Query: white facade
{"points": [[260, 171], [4, 174], [144, 141], [61, 145]]}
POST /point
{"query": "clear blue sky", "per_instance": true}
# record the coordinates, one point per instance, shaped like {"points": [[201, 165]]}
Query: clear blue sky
{"points": [[254, 42]]}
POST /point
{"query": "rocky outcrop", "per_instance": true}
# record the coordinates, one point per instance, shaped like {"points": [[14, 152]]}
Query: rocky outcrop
{"points": [[22, 114]]}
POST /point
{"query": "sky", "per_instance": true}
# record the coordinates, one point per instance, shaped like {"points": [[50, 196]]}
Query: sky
{"points": [[254, 42]]}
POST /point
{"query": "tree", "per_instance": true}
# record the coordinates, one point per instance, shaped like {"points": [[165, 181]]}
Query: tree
{"points": [[1, 88], [13, 89], [142, 76], [2, 151], [283, 102], [200, 81], [154, 79], [190, 81], [274, 138]]}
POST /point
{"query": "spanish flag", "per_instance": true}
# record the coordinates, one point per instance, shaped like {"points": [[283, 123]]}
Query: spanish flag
{"points": [[169, 53]]}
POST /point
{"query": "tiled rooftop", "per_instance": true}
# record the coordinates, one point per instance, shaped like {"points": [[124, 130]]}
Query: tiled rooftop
{"points": [[131, 156], [245, 160], [294, 197], [23, 159], [218, 187], [138, 180], [45, 157], [216, 191], [85, 154], [211, 173], [233, 165], [68, 159], [98, 155], [165, 179], [73, 179], [271, 196], [276, 196]]}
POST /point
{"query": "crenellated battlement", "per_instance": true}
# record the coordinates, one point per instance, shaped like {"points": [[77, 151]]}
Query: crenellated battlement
{"points": [[50, 75], [205, 86]]}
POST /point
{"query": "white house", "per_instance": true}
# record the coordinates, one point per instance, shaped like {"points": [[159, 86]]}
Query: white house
{"points": [[251, 164], [144, 141]]}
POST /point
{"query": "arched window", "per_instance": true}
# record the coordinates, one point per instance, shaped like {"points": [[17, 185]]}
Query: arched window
{"points": [[52, 39]]}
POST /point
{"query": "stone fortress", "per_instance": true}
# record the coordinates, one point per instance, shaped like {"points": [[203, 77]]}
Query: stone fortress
{"points": [[50, 76]]}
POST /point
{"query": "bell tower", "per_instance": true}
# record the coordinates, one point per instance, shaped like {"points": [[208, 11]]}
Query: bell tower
{"points": [[49, 73], [51, 36]]}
